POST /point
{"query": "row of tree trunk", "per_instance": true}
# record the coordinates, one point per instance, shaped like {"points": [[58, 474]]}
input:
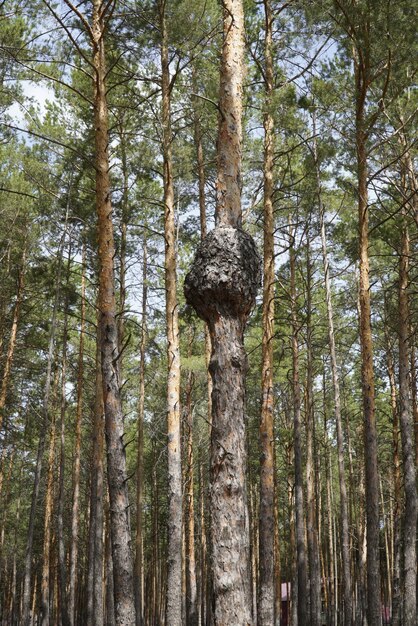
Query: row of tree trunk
{"points": [[223, 299]]}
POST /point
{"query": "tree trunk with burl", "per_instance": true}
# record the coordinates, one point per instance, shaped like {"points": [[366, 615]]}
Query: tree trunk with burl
{"points": [[221, 286]]}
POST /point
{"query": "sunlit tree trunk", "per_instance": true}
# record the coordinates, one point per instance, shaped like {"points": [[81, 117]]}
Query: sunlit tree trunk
{"points": [[95, 587], [116, 461], [311, 496], [221, 286], [62, 565], [175, 513], [362, 78], [13, 334], [407, 438], [190, 561], [266, 589], [139, 552], [77, 452], [27, 583], [301, 556], [344, 526], [49, 503], [397, 485]]}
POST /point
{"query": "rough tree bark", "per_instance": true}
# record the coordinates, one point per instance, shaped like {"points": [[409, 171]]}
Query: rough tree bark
{"points": [[175, 512], [221, 287], [116, 461], [62, 566], [190, 564], [397, 484], [265, 604], [362, 78], [139, 552], [27, 576], [407, 438], [311, 499], [302, 575], [345, 538], [77, 452], [13, 335], [96, 500], [49, 504]]}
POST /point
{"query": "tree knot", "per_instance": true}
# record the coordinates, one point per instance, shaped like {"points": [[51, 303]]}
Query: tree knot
{"points": [[225, 274]]}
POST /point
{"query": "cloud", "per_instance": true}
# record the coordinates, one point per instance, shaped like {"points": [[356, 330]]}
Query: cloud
{"points": [[38, 93]]}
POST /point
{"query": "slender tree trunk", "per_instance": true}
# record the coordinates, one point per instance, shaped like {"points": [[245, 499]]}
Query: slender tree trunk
{"points": [[3, 521], [14, 608], [95, 605], [407, 437], [123, 245], [62, 566], [191, 589], [77, 452], [175, 514], [97, 500], [203, 551], [139, 553], [221, 286], [27, 584], [109, 573], [367, 372], [203, 231], [13, 334], [49, 502], [311, 499], [266, 588], [397, 488], [205, 591], [116, 461], [302, 575], [277, 576], [414, 390], [345, 538]]}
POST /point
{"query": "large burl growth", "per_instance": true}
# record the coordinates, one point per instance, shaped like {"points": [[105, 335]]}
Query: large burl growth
{"points": [[221, 287], [225, 275]]}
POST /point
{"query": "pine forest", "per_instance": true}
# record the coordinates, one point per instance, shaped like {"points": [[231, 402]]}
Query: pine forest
{"points": [[208, 312]]}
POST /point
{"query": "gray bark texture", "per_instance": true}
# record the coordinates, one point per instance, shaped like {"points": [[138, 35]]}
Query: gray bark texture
{"points": [[221, 287]]}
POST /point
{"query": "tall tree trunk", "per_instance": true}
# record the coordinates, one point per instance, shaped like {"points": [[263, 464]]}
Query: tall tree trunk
{"points": [[345, 538], [175, 513], [96, 505], [203, 551], [62, 566], [139, 552], [13, 334], [205, 587], [311, 496], [123, 245], [27, 584], [407, 437], [49, 502], [302, 575], [367, 373], [191, 589], [77, 452], [397, 486], [266, 589], [116, 461], [203, 231], [109, 574], [221, 286]]}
